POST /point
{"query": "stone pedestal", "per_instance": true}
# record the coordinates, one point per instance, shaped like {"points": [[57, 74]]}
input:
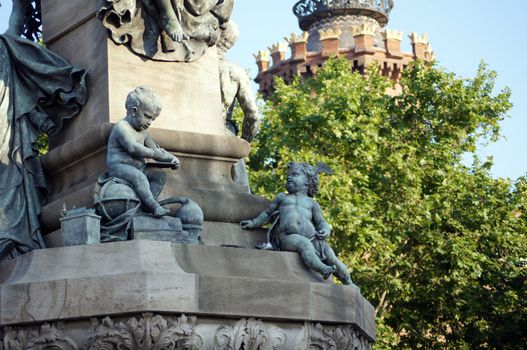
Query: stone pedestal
{"points": [[227, 295], [159, 295]]}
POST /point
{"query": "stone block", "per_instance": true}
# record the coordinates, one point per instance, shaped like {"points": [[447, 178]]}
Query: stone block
{"points": [[165, 229], [217, 233], [235, 296], [143, 276], [323, 302]]}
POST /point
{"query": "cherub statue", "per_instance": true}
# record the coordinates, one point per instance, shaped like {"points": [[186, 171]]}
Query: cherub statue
{"points": [[298, 224], [130, 144]]}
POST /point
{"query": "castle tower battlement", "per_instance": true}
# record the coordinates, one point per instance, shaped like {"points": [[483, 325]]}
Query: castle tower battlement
{"points": [[354, 29]]}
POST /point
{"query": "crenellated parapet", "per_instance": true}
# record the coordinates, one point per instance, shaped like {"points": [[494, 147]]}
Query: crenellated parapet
{"points": [[302, 62]]}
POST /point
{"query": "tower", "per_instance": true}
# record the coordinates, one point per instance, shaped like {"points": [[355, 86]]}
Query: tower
{"points": [[354, 29]]}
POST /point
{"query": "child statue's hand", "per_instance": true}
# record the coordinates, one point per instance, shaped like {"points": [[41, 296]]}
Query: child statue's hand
{"points": [[163, 156], [247, 224], [323, 233], [160, 155]]}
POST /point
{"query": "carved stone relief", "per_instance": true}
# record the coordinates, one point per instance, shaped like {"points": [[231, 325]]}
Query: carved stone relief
{"points": [[249, 334], [166, 30], [145, 333], [47, 337], [156, 332], [317, 336]]}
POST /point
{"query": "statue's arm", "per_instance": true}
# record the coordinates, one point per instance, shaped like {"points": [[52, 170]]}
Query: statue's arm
{"points": [[149, 142], [265, 216], [130, 145], [160, 154], [321, 225], [251, 120], [16, 20]]}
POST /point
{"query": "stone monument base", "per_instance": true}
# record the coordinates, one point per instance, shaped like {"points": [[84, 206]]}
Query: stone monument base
{"points": [[140, 294]]}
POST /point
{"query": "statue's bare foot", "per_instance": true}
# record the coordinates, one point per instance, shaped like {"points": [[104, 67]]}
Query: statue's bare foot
{"points": [[328, 271], [173, 29], [346, 281], [160, 211]]}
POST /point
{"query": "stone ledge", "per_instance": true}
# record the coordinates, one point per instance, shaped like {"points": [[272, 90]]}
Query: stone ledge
{"points": [[145, 276], [240, 206], [96, 139]]}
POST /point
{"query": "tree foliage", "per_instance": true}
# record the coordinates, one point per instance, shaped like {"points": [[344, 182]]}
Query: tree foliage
{"points": [[435, 245]]}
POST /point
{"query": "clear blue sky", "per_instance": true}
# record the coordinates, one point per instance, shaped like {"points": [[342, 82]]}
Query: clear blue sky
{"points": [[462, 33]]}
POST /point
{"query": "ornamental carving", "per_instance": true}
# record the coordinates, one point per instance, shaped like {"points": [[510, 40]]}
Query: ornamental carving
{"points": [[148, 332], [317, 336], [156, 332], [47, 337], [249, 334], [165, 30]]}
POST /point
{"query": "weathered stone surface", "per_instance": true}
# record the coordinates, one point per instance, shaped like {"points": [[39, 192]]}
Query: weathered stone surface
{"points": [[145, 276], [189, 92], [224, 233]]}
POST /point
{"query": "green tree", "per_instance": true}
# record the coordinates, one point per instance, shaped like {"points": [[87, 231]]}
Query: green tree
{"points": [[435, 245]]}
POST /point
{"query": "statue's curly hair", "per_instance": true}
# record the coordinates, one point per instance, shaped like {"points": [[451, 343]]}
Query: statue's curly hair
{"points": [[311, 174], [141, 96]]}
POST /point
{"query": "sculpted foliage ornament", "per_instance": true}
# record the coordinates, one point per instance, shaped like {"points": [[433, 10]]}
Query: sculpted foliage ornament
{"points": [[146, 333], [155, 332], [249, 334], [317, 336], [48, 337]]}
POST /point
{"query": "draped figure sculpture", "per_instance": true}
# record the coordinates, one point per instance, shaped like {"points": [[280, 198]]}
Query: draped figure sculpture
{"points": [[38, 91], [166, 30]]}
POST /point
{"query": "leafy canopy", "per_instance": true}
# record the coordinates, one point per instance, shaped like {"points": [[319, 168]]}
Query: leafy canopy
{"points": [[434, 244]]}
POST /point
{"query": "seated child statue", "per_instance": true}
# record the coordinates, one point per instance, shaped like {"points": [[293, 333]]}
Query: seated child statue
{"points": [[130, 144], [298, 224]]}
